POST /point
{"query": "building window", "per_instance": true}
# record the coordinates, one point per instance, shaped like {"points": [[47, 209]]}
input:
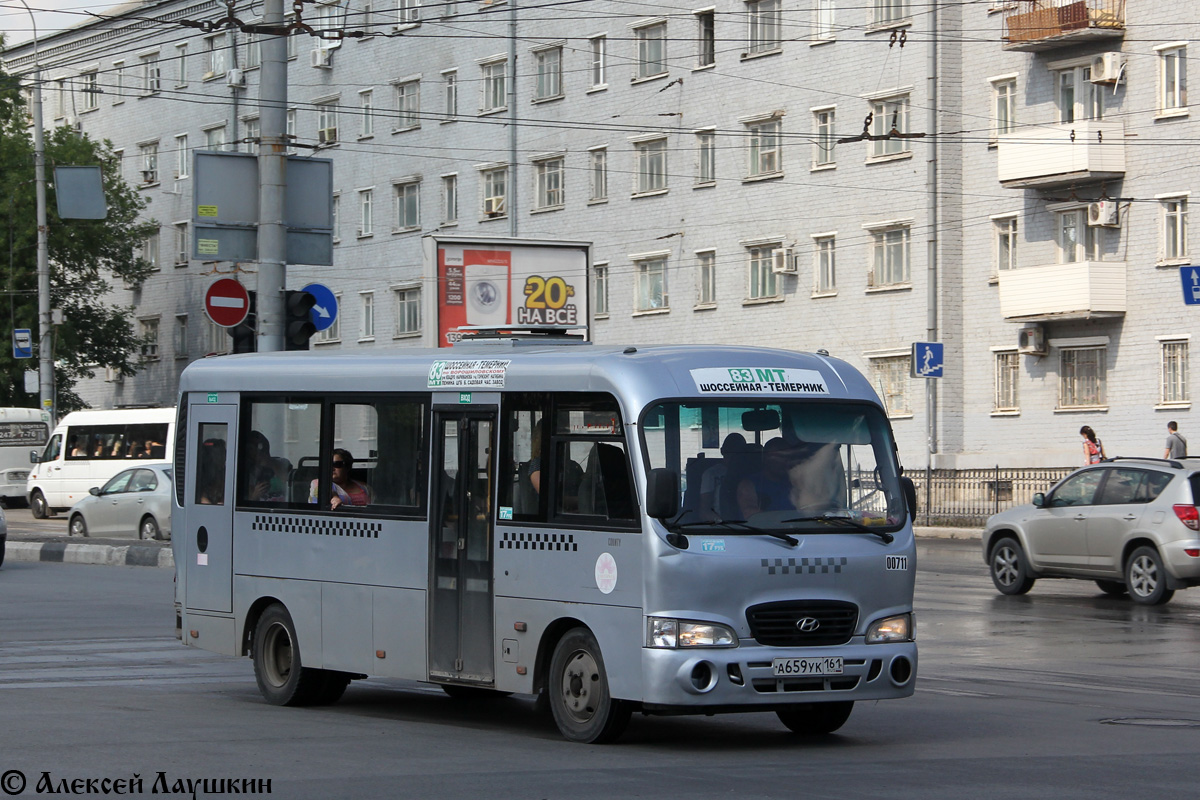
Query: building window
{"points": [[824, 264], [1172, 79], [181, 76], [1082, 379], [598, 174], [600, 289], [408, 105], [825, 11], [407, 197], [495, 192], [1004, 105], [651, 166], [1076, 97], [450, 91], [366, 328], [706, 278], [1006, 242], [149, 163], [217, 340], [651, 50], [327, 126], [366, 200], [366, 118], [706, 38], [598, 48], [183, 156], [1175, 233], [549, 73], [290, 129], [766, 153], [214, 138], [764, 17], [889, 11], [495, 91], [1077, 241], [1174, 372], [823, 121], [408, 311], [650, 284], [706, 158], [253, 135], [151, 74], [1008, 370], [181, 244], [890, 256], [890, 116], [91, 91], [253, 51], [181, 336], [761, 282], [215, 56], [148, 332], [118, 80], [337, 217], [549, 176], [890, 376], [408, 12], [449, 199], [150, 250], [333, 333]]}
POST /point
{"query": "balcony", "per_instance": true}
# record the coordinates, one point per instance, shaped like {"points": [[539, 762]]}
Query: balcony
{"points": [[1034, 25], [1059, 155], [1083, 290]]}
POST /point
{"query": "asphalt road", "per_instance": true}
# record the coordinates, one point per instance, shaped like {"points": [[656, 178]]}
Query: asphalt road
{"points": [[1062, 693]]}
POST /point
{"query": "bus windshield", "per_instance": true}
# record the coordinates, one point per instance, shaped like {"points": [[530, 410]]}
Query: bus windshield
{"points": [[790, 465]]}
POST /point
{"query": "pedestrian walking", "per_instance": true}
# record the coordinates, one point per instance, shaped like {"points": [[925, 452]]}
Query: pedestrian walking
{"points": [[1176, 444], [1093, 448]]}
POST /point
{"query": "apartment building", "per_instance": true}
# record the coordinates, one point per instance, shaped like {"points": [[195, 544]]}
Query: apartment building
{"points": [[807, 174]]}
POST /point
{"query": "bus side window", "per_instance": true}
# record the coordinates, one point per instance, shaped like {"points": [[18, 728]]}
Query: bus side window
{"points": [[606, 490], [210, 464]]}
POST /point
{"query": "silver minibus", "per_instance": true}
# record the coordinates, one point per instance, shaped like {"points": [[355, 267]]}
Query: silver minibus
{"points": [[660, 530]]}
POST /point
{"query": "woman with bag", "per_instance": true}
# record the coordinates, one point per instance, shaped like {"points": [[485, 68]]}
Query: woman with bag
{"points": [[1093, 448]]}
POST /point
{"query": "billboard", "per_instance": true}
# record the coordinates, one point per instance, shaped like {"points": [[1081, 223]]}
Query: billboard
{"points": [[502, 283]]}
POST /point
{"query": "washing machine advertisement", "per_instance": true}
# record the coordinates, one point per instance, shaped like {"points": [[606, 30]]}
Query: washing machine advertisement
{"points": [[507, 285]]}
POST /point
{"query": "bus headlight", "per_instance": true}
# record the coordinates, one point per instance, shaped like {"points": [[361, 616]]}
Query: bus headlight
{"points": [[672, 633], [899, 628]]}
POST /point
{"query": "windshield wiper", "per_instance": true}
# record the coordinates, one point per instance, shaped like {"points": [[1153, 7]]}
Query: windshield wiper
{"points": [[830, 519], [736, 525]]}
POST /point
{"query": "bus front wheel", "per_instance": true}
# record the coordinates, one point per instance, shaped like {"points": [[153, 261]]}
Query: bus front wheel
{"points": [[816, 719], [38, 505], [281, 675], [583, 707]]}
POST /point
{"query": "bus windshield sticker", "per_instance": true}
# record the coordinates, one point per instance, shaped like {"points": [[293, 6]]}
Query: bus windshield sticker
{"points": [[606, 573], [757, 380], [712, 545], [481, 373]]}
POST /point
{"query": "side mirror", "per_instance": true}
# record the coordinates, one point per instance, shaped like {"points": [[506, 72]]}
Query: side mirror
{"points": [[35, 457], [94, 491], [1039, 500], [662, 493], [910, 497]]}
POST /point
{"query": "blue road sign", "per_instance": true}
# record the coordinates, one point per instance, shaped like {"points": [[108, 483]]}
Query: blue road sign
{"points": [[927, 359], [1191, 285], [22, 343], [324, 311]]}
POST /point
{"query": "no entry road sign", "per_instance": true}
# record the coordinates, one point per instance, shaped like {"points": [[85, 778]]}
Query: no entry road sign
{"points": [[227, 303]]}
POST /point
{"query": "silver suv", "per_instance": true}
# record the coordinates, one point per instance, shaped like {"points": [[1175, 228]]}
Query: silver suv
{"points": [[1129, 524]]}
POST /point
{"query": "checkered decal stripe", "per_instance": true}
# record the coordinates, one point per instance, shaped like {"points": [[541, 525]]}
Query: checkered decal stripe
{"points": [[539, 541], [318, 526], [800, 566]]}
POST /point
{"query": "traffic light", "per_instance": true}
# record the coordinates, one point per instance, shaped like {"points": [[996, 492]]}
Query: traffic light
{"points": [[299, 326], [245, 335]]}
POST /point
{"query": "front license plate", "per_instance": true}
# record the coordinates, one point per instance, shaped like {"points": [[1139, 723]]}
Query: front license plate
{"points": [[787, 667]]}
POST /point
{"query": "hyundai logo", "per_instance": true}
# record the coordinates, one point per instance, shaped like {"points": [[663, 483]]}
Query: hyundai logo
{"points": [[808, 624]]}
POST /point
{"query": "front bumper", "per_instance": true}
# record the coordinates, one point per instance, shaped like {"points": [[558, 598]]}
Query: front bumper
{"points": [[709, 680]]}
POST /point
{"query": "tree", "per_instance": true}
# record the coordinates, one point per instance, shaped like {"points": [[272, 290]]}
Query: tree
{"points": [[85, 255]]}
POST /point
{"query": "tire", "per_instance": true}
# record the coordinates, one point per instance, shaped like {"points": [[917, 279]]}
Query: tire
{"points": [[1146, 577], [459, 692], [77, 526], [583, 708], [279, 670], [1114, 588], [148, 528], [38, 505], [1010, 573], [2, 546], [815, 719]]}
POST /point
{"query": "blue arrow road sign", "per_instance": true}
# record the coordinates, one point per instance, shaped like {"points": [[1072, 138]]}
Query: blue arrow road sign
{"points": [[324, 311], [927, 359], [22, 343], [1191, 285]]}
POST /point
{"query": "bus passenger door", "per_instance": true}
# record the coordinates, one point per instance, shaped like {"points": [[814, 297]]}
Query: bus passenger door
{"points": [[208, 495], [460, 615]]}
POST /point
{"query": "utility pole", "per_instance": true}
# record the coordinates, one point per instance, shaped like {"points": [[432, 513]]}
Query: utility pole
{"points": [[272, 172]]}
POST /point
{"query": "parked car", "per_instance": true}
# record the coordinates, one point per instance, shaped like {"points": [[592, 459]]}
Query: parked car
{"points": [[3, 534], [137, 499], [1129, 524]]}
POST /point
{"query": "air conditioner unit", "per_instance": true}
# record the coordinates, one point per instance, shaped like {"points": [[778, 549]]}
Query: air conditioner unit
{"points": [[408, 16], [1103, 213], [782, 262], [1031, 341], [493, 206], [327, 135], [236, 77], [322, 58], [1107, 67]]}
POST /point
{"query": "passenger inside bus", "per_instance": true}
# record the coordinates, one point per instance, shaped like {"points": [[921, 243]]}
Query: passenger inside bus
{"points": [[712, 505], [211, 478], [768, 489], [263, 475], [605, 490], [346, 491], [818, 479]]}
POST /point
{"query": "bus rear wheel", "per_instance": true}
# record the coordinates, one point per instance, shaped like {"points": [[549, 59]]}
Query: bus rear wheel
{"points": [[815, 719], [281, 675], [583, 707]]}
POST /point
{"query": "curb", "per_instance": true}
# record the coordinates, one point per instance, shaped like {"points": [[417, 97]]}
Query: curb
{"points": [[103, 554]]}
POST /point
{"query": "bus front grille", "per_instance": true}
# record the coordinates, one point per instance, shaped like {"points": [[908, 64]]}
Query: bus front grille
{"points": [[803, 623]]}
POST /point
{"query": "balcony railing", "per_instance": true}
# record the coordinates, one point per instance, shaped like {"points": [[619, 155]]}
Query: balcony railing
{"points": [[1081, 290], [1057, 155], [1033, 25]]}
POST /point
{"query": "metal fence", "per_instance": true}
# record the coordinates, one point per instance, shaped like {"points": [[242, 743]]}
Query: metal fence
{"points": [[967, 497]]}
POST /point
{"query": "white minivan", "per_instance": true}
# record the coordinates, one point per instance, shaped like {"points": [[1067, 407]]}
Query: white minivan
{"points": [[20, 429], [89, 447]]}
